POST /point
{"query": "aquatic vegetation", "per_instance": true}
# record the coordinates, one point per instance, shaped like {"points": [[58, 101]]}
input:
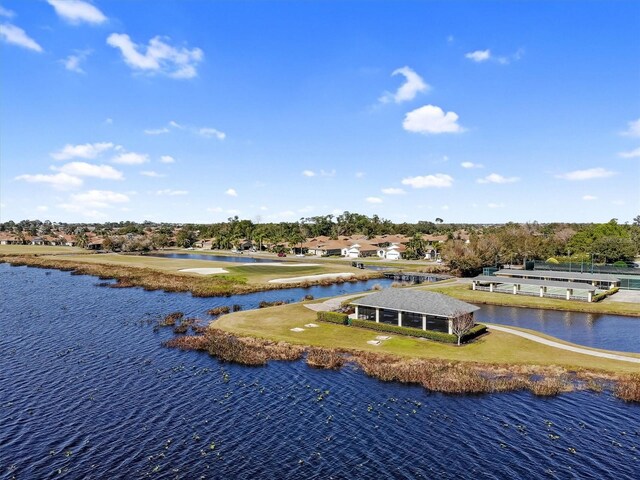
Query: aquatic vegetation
{"points": [[266, 304], [171, 319], [218, 311], [324, 358], [628, 388]]}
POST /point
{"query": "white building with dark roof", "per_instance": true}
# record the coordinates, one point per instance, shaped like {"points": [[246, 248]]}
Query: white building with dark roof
{"points": [[412, 308]]}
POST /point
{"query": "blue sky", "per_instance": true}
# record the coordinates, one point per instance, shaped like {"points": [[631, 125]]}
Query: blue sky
{"points": [[194, 111]]}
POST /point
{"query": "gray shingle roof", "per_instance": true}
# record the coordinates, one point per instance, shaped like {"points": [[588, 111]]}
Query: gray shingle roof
{"points": [[534, 281], [416, 301], [598, 277]]}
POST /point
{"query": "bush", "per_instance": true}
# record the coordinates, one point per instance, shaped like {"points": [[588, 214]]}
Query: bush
{"points": [[603, 295], [620, 264], [343, 319], [333, 317], [553, 261], [413, 332]]}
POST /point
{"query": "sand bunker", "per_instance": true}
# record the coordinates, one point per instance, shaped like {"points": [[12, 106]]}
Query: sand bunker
{"points": [[204, 271], [311, 277]]}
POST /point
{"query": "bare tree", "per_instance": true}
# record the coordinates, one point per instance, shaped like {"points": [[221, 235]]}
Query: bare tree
{"points": [[462, 323]]}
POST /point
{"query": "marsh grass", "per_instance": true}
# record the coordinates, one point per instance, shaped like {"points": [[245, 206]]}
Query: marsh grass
{"points": [[214, 312], [266, 304], [435, 375], [127, 276], [628, 388], [325, 358]]}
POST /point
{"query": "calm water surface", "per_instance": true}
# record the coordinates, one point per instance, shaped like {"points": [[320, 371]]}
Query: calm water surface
{"points": [[611, 332], [86, 391]]}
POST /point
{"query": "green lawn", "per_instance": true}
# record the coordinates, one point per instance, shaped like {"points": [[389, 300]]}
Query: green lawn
{"points": [[41, 250], [274, 323]]}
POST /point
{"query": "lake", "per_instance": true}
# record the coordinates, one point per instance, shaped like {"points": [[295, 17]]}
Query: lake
{"points": [[88, 392]]}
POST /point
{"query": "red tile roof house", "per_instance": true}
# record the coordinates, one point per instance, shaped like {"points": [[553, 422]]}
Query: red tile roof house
{"points": [[360, 249], [8, 239]]}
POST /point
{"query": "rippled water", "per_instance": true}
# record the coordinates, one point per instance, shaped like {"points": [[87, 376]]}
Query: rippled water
{"points": [[86, 391], [611, 332]]}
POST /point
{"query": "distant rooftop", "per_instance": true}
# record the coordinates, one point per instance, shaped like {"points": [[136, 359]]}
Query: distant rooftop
{"points": [[415, 301]]}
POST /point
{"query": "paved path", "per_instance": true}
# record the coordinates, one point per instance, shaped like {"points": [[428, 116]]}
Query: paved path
{"points": [[562, 346], [332, 303]]}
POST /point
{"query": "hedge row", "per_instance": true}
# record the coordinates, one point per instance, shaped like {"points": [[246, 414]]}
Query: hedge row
{"points": [[603, 295], [334, 317], [343, 319], [413, 332]]}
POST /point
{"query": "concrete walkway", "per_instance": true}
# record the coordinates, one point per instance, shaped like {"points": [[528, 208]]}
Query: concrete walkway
{"points": [[562, 346], [332, 303]]}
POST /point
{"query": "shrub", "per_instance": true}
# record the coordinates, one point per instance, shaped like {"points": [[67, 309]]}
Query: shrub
{"points": [[343, 319], [413, 332], [603, 295], [170, 320], [324, 358], [333, 317], [237, 308], [620, 264], [553, 261]]}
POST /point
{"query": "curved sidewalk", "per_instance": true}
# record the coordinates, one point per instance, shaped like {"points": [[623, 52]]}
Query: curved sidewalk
{"points": [[551, 343]]}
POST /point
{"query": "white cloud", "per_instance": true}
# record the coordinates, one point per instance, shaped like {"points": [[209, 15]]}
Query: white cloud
{"points": [[175, 125], [393, 191], [413, 85], [83, 169], [309, 173], [495, 205], [328, 173], [156, 131], [211, 132], [98, 198], [151, 173], [82, 210], [86, 151], [231, 192], [479, 55], [497, 178], [172, 193], [4, 12], [167, 159], [215, 209], [72, 62], [373, 200], [42, 208], [633, 129], [60, 181], [471, 165], [109, 121], [589, 197], [77, 11], [158, 56], [360, 174], [15, 35], [587, 174], [431, 119], [445, 207], [131, 158], [439, 180], [632, 154]]}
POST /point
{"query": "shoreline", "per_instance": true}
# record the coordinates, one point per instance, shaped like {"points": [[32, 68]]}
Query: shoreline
{"points": [[433, 374], [151, 279]]}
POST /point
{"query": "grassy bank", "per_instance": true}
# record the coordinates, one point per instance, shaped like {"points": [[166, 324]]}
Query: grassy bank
{"points": [[434, 374], [465, 293], [497, 348], [154, 273]]}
